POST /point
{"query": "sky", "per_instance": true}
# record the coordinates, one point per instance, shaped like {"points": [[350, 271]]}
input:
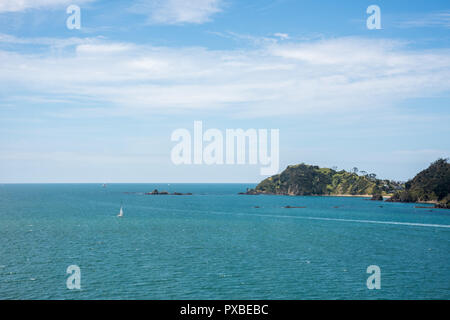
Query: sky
{"points": [[99, 103]]}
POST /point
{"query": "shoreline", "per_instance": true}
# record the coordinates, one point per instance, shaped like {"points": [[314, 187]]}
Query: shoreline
{"points": [[348, 195], [315, 195]]}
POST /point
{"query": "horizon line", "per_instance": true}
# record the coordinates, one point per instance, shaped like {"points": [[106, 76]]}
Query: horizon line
{"points": [[2, 183]]}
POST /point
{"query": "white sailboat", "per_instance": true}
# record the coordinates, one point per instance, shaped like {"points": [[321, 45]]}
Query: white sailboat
{"points": [[120, 212]]}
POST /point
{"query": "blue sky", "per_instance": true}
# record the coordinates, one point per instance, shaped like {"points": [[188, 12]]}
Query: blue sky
{"points": [[99, 104]]}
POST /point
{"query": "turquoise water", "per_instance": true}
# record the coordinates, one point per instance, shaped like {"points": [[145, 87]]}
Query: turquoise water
{"points": [[215, 244]]}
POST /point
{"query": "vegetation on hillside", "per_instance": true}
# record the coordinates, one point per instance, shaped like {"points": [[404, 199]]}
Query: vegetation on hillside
{"points": [[303, 179], [429, 185]]}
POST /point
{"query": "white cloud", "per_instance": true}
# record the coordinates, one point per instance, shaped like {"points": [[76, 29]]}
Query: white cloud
{"points": [[437, 19], [338, 75], [99, 49], [178, 11], [50, 42], [282, 36], [22, 5]]}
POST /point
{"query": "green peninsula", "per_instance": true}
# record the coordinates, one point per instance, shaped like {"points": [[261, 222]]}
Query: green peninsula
{"points": [[303, 179]]}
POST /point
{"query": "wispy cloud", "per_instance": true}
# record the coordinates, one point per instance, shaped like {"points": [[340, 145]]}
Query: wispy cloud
{"points": [[437, 19], [341, 75], [283, 36], [178, 11], [22, 5], [47, 41]]}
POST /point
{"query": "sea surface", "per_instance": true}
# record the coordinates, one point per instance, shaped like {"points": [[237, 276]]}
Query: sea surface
{"points": [[215, 244]]}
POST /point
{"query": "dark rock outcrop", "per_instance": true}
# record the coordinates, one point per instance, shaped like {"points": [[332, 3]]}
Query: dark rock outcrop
{"points": [[377, 197], [163, 193], [291, 207]]}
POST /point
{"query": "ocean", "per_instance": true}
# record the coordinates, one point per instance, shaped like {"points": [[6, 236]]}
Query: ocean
{"points": [[215, 244]]}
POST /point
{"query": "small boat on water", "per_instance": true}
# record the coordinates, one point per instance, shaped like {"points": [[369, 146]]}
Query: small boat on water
{"points": [[104, 185], [120, 212]]}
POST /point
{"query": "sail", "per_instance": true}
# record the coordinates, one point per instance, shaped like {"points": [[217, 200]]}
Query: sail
{"points": [[120, 212]]}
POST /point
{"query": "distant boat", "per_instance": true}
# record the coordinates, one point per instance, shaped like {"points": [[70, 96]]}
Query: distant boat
{"points": [[120, 212], [104, 185]]}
